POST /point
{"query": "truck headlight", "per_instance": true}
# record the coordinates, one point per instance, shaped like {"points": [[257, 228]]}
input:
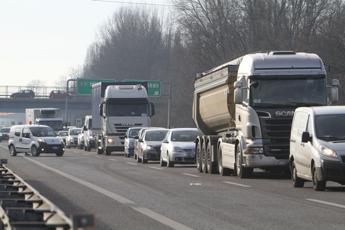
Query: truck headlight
{"points": [[328, 152], [110, 140]]}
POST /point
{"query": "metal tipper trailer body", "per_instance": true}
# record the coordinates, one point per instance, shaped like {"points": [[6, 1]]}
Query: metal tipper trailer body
{"points": [[245, 107], [115, 108], [45, 116]]}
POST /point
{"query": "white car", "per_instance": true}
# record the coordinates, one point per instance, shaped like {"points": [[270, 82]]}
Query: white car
{"points": [[72, 138], [34, 139], [81, 140], [317, 146], [63, 135], [179, 147]]}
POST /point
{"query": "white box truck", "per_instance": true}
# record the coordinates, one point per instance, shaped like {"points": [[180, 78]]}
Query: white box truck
{"points": [[45, 116], [245, 107], [115, 108]]}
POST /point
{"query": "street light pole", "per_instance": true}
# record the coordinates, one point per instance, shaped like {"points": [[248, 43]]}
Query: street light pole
{"points": [[66, 99], [169, 105]]}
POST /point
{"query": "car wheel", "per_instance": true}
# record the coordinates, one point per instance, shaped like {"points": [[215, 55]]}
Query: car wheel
{"points": [[297, 182], [34, 151], [318, 185], [12, 150], [138, 159], [107, 152], [162, 163], [170, 164], [99, 151]]}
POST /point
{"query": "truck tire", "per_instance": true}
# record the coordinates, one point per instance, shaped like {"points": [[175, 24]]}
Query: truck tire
{"points": [[198, 157], [34, 151], [241, 171], [297, 182], [222, 171], [211, 166], [318, 185], [204, 158], [12, 150]]}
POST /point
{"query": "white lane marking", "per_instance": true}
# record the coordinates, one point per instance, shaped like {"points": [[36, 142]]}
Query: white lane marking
{"points": [[195, 184], [192, 175], [113, 160], [327, 203], [131, 163], [157, 168], [237, 184], [123, 200], [162, 219], [99, 157]]}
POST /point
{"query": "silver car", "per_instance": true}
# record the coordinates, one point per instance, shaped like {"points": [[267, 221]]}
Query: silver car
{"points": [[179, 147], [150, 144], [129, 140]]}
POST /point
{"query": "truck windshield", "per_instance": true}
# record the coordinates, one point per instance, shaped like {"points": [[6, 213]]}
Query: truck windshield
{"points": [[155, 135], [288, 92], [56, 125], [42, 132], [127, 110], [330, 127]]}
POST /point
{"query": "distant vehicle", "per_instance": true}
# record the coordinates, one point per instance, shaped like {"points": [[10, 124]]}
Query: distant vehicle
{"points": [[150, 145], [130, 140], [45, 116], [89, 139], [245, 107], [34, 139], [25, 94], [58, 94], [80, 144], [115, 108], [137, 143], [72, 138], [317, 146], [179, 147], [63, 135], [4, 133]]}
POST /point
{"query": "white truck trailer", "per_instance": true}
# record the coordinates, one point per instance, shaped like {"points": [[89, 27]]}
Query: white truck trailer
{"points": [[245, 107], [45, 116], [115, 108]]}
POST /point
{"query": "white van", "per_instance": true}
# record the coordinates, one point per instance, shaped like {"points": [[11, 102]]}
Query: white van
{"points": [[317, 146], [34, 139]]}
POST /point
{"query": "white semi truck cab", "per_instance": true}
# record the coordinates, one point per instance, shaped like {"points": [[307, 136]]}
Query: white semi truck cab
{"points": [[120, 107], [245, 107]]}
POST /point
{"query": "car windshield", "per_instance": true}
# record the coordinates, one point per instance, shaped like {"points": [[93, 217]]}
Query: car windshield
{"points": [[330, 127], [42, 132], [155, 135], [75, 132], [62, 134], [184, 136], [290, 92], [133, 133], [5, 130]]}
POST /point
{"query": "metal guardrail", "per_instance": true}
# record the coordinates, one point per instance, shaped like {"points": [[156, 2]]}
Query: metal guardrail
{"points": [[24, 208]]}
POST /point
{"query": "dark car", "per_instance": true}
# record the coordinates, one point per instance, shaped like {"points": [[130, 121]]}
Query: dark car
{"points": [[58, 94], [24, 93], [4, 133]]}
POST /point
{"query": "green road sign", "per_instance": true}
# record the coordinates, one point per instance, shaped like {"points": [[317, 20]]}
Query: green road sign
{"points": [[84, 86]]}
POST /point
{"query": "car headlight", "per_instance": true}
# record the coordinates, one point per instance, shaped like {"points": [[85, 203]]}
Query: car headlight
{"points": [[149, 147], [328, 152], [110, 140], [40, 140]]}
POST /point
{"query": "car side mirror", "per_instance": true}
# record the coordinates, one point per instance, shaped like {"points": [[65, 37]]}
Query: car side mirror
{"points": [[306, 137]]}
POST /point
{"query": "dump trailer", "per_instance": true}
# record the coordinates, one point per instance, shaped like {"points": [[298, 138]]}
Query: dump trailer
{"points": [[244, 109], [115, 108]]}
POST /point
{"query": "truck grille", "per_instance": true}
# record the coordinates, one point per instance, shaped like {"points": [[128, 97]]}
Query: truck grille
{"points": [[276, 135]]}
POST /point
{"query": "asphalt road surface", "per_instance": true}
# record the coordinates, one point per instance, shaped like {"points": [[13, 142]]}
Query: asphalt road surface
{"points": [[123, 194]]}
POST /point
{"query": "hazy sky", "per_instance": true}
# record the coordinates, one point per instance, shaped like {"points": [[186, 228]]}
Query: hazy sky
{"points": [[44, 39]]}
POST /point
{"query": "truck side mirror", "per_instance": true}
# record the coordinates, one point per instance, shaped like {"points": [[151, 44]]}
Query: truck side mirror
{"points": [[335, 90], [152, 109], [306, 137]]}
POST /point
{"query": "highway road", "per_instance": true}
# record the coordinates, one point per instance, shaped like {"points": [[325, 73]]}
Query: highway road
{"points": [[125, 195]]}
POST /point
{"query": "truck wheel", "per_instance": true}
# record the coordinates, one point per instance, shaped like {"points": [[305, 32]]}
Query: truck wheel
{"points": [[297, 182], [34, 151], [12, 150], [204, 159], [318, 185], [198, 157], [211, 166], [222, 171], [241, 171]]}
